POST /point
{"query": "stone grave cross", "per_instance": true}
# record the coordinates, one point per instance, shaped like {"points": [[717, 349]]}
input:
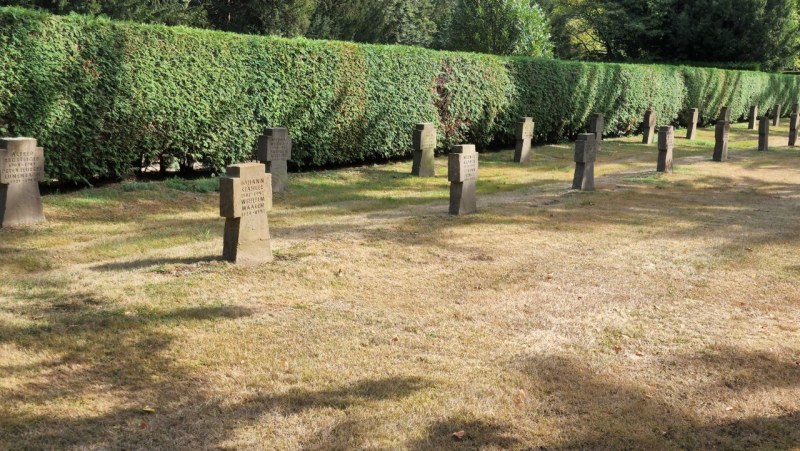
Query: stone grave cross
{"points": [[649, 126], [751, 120], [666, 142], [245, 197], [21, 170], [522, 153], [763, 133], [274, 150], [597, 125], [691, 128], [424, 147], [721, 136], [585, 156], [776, 115], [462, 171]]}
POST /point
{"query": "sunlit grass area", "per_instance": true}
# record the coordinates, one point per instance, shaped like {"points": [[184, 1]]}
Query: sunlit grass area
{"points": [[659, 312]]}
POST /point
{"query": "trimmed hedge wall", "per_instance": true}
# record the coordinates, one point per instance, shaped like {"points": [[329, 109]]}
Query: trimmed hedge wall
{"points": [[102, 95]]}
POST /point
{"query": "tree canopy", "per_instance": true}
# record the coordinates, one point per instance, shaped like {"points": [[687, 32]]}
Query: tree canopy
{"points": [[701, 31], [731, 32], [502, 26]]}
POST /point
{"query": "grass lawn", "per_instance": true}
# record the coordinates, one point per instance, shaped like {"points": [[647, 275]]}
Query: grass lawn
{"points": [[659, 312]]}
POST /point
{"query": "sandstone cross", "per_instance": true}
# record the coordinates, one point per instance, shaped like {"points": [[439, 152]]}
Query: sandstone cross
{"points": [[424, 141], [522, 153], [274, 150], [721, 135], [245, 197], [597, 125], [691, 128], [724, 114], [794, 121], [21, 170], [751, 121], [763, 133], [776, 115], [649, 126], [462, 171], [666, 142], [585, 156]]}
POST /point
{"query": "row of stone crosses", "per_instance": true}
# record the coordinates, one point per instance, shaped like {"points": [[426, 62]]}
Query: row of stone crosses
{"points": [[246, 189]]}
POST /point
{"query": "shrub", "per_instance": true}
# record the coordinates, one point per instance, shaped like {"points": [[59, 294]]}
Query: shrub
{"points": [[102, 96]]}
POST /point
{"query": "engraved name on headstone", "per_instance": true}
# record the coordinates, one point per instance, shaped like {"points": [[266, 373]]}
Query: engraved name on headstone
{"points": [[245, 198], [424, 140], [462, 171], [522, 153], [21, 170], [274, 150]]}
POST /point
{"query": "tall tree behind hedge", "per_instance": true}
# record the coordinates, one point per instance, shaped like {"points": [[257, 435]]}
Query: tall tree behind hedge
{"points": [[764, 31], [411, 22], [168, 12], [274, 17], [710, 31], [504, 27]]}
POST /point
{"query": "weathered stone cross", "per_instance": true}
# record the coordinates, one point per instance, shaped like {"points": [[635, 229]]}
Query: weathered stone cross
{"points": [[649, 126], [585, 156], [763, 133], [274, 150], [21, 170], [462, 171], [691, 128], [245, 197], [522, 153], [424, 150], [597, 125], [752, 118], [721, 135], [666, 142]]}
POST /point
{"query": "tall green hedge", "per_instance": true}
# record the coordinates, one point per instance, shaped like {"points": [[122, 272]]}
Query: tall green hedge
{"points": [[102, 95]]}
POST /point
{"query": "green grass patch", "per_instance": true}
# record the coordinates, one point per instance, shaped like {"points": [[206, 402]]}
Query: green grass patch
{"points": [[206, 185], [138, 186]]}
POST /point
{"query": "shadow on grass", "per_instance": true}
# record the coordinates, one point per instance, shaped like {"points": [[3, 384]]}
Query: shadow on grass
{"points": [[340, 398], [154, 262], [604, 412], [478, 434], [610, 414], [121, 361]]}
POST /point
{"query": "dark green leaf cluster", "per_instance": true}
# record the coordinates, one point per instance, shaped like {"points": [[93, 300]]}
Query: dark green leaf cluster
{"points": [[733, 31], [103, 96]]}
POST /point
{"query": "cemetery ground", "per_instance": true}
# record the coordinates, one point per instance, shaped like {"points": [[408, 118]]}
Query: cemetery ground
{"points": [[659, 312]]}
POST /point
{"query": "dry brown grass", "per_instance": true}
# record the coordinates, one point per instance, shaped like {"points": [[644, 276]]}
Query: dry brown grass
{"points": [[660, 312]]}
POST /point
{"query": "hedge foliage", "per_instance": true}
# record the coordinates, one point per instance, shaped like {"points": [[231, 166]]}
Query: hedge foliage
{"points": [[103, 95]]}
